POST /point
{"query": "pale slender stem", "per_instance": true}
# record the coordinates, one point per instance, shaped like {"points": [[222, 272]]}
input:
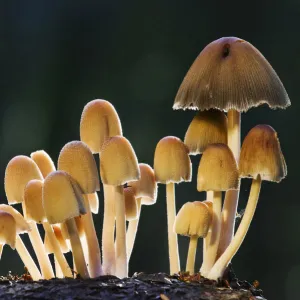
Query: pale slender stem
{"points": [[27, 260], [211, 253], [218, 269], [108, 232], [232, 196], [121, 251], [77, 249], [94, 253], [59, 256], [172, 236], [132, 230], [206, 240], [58, 271], [190, 262], [1, 250]]}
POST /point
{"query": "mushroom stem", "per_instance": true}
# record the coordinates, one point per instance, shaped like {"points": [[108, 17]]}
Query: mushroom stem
{"points": [[232, 196], [121, 251], [221, 264], [172, 236], [108, 232], [27, 260], [61, 260], [58, 271], [1, 250], [190, 262], [211, 252], [206, 240], [94, 253], [77, 248]]}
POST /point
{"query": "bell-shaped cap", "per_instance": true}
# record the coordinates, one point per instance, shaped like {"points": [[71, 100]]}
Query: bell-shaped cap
{"points": [[193, 219], [131, 207], [230, 73], [217, 170], [94, 202], [59, 198], [19, 171], [118, 162], [171, 161], [8, 230], [146, 186], [58, 234], [261, 155], [43, 161], [207, 127], [99, 121], [78, 161]]}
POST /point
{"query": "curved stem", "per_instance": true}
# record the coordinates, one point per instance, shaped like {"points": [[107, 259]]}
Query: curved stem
{"points": [[221, 264], [190, 262], [58, 271]]}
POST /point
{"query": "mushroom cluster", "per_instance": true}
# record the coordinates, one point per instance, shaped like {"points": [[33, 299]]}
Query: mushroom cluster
{"points": [[229, 75]]}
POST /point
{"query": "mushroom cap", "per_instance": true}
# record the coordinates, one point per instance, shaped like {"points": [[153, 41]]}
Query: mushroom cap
{"points": [[58, 234], [94, 202], [230, 73], [261, 155], [19, 171], [207, 127], [8, 229], [131, 207], [99, 121], [217, 170], [78, 161], [171, 161], [43, 161], [118, 162], [33, 199], [60, 200], [146, 186], [193, 219]]}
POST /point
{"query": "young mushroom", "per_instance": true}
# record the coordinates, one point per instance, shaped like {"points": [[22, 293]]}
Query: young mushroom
{"points": [[217, 172], [172, 165], [193, 220], [261, 159]]}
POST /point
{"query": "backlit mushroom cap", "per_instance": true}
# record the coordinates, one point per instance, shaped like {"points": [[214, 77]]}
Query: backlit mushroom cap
{"points": [[19, 171], [43, 161], [58, 234], [207, 127], [261, 155], [118, 162], [59, 198], [217, 169], [94, 202], [99, 121], [146, 186], [78, 161], [171, 161], [8, 229], [193, 219], [131, 207], [33, 198], [230, 73]]}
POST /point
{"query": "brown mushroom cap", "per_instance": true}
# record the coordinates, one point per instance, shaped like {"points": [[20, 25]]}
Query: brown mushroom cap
{"points": [[19, 171], [230, 73], [99, 121], [58, 234], [43, 161], [261, 155], [8, 230], [131, 208], [207, 127], [171, 161], [59, 198], [118, 162], [217, 169]]}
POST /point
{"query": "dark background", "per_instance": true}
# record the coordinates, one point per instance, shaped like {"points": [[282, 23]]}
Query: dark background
{"points": [[58, 55]]}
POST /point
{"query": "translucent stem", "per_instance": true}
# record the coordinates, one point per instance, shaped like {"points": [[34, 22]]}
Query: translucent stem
{"points": [[190, 262]]}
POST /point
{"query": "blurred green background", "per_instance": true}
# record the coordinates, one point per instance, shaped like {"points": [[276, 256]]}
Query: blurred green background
{"points": [[58, 55]]}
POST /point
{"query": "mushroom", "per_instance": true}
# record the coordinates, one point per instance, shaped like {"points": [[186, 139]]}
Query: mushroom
{"points": [[100, 121], [261, 159], [77, 160], [15, 224], [146, 194], [131, 207], [119, 165], [231, 75], [217, 172], [172, 165], [19, 171], [61, 205], [206, 240], [94, 202]]}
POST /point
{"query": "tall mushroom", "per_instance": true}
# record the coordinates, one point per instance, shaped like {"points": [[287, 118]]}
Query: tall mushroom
{"points": [[217, 172], [230, 74], [119, 165], [261, 159], [172, 165]]}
